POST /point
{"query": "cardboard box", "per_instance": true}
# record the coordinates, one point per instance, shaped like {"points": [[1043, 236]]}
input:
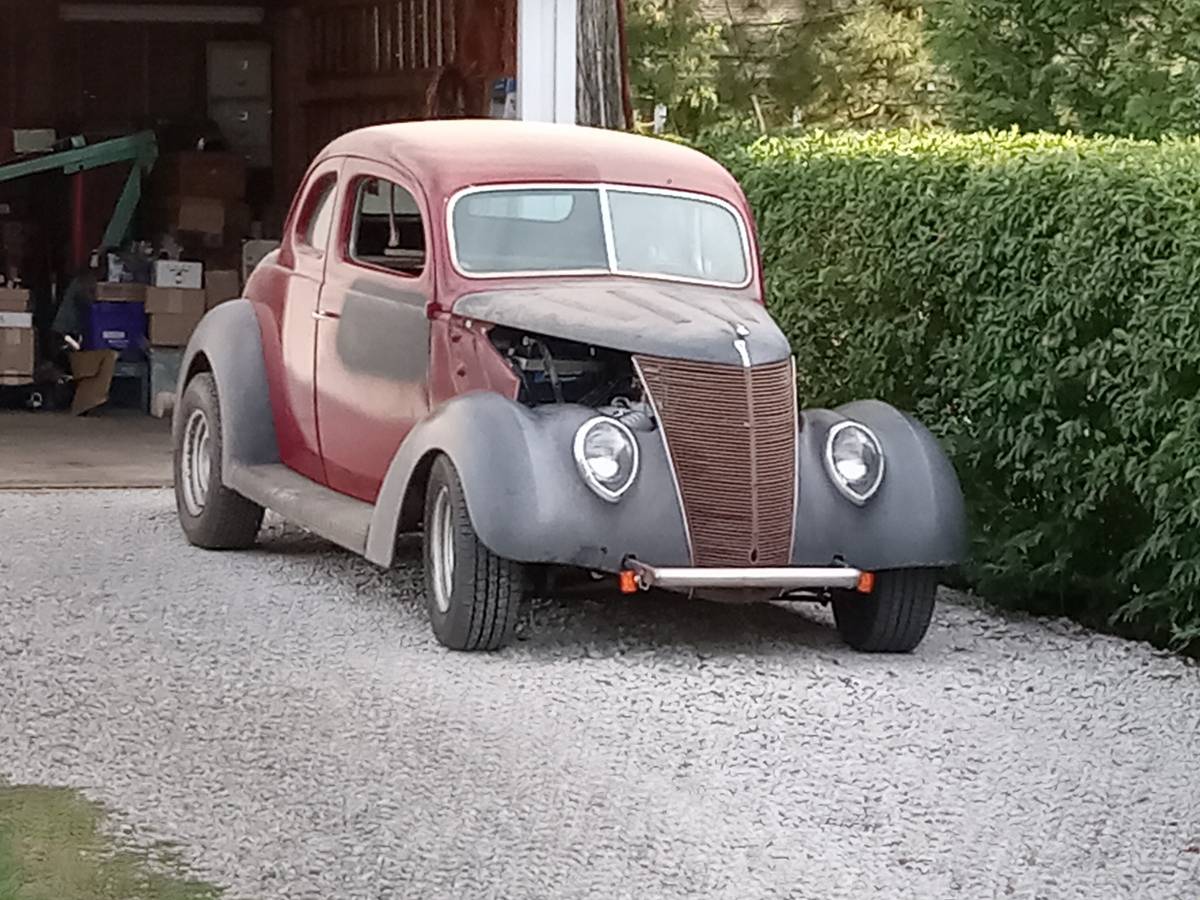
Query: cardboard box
{"points": [[221, 176], [16, 320], [171, 330], [175, 301], [169, 273], [126, 292], [253, 252], [221, 285], [92, 372], [18, 349], [14, 299], [202, 215]]}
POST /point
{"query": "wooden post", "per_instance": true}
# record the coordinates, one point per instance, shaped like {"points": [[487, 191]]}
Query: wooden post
{"points": [[600, 85]]}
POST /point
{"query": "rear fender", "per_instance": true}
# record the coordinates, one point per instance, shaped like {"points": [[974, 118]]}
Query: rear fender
{"points": [[228, 343]]}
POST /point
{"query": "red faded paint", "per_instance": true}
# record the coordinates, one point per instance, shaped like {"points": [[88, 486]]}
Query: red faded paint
{"points": [[462, 359], [340, 422]]}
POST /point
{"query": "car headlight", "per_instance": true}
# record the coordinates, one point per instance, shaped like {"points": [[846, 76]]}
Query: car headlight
{"points": [[607, 456], [854, 460]]}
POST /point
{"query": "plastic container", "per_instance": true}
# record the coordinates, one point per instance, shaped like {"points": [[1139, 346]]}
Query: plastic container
{"points": [[118, 326]]}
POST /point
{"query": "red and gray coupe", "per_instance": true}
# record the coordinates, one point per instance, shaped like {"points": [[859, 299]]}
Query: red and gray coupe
{"points": [[546, 348]]}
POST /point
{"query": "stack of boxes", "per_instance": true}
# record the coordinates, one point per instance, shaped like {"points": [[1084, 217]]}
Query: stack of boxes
{"points": [[175, 303], [18, 340]]}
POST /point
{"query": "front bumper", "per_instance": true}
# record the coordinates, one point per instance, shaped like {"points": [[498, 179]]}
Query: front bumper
{"points": [[781, 579]]}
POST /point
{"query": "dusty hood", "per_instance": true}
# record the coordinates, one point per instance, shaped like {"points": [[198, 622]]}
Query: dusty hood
{"points": [[680, 321]]}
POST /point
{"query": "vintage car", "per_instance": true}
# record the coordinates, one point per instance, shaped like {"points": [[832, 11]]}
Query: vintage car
{"points": [[546, 348]]}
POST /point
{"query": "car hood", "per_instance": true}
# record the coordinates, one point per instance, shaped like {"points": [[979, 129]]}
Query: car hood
{"points": [[677, 321]]}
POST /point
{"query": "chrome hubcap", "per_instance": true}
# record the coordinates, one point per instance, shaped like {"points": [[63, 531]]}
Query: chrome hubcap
{"points": [[441, 549], [195, 464]]}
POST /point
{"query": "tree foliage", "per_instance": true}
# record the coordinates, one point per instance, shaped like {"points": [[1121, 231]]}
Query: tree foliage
{"points": [[844, 62], [1129, 67], [1033, 299], [674, 58]]}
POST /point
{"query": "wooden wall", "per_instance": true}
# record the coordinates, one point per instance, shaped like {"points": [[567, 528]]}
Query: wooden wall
{"points": [[339, 65]]}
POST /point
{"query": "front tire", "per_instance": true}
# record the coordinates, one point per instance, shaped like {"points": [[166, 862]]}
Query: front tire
{"points": [[894, 617], [212, 516], [473, 596]]}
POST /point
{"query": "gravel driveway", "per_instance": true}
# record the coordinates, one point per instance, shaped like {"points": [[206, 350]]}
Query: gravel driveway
{"points": [[285, 715]]}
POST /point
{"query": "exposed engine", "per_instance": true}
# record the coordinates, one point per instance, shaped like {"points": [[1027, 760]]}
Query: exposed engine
{"points": [[556, 370]]}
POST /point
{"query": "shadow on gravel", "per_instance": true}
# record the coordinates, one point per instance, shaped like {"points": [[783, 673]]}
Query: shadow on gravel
{"points": [[656, 620], [611, 621]]}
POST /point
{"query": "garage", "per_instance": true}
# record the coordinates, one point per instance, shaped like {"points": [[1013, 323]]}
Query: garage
{"points": [[148, 156]]}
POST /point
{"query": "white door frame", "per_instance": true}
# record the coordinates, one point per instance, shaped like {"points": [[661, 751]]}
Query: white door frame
{"points": [[546, 60]]}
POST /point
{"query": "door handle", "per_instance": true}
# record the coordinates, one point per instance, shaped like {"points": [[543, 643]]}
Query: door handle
{"points": [[326, 316]]}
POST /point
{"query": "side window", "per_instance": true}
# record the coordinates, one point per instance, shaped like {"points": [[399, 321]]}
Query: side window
{"points": [[316, 220], [388, 231]]}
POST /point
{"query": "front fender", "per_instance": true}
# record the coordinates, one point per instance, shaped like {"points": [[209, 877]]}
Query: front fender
{"points": [[916, 519], [229, 340], [524, 494]]}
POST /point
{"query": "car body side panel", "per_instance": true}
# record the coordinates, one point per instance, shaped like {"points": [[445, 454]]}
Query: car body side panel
{"points": [[230, 339], [523, 491], [372, 353], [916, 519]]}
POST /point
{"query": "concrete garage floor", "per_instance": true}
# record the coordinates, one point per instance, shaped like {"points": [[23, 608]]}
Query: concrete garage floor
{"points": [[111, 450]]}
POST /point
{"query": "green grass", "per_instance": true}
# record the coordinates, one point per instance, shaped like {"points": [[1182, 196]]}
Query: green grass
{"points": [[53, 847]]}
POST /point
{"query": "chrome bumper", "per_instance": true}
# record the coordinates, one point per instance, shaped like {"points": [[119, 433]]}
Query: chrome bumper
{"points": [[781, 579]]}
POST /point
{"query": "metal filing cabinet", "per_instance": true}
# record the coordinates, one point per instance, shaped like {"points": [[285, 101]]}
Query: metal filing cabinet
{"points": [[239, 97]]}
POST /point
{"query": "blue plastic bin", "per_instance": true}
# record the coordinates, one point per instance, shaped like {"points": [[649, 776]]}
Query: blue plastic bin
{"points": [[118, 326]]}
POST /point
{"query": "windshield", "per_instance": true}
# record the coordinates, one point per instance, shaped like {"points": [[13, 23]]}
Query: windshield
{"points": [[589, 230]]}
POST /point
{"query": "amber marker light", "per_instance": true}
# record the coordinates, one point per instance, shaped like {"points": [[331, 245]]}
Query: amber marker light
{"points": [[628, 581], [866, 583]]}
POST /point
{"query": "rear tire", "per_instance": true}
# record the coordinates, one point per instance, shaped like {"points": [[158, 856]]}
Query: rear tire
{"points": [[212, 516], [473, 596], [894, 617]]}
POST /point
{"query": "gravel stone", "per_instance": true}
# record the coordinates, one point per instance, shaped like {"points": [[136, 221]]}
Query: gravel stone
{"points": [[285, 716]]}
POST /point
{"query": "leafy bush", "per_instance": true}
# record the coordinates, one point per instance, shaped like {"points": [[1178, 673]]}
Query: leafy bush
{"points": [[1125, 67], [1036, 300]]}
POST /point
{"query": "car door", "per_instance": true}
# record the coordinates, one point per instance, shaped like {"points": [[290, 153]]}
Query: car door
{"points": [[372, 357], [288, 318]]}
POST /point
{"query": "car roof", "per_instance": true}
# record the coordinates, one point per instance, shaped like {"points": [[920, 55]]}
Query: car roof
{"points": [[447, 155]]}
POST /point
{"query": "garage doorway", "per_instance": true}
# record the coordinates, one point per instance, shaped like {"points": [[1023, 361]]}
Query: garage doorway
{"points": [[156, 147]]}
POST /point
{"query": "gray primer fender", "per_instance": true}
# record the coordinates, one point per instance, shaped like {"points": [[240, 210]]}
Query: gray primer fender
{"points": [[524, 494], [917, 517], [230, 339]]}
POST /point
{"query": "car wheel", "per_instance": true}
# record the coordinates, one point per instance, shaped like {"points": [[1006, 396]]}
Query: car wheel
{"points": [[894, 617], [474, 597], [212, 516]]}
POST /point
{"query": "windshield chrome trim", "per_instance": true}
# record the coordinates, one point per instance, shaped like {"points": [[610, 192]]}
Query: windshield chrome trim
{"points": [[602, 188]]}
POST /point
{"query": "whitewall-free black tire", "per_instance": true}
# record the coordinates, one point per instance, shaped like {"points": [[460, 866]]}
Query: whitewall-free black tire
{"points": [[473, 596], [212, 516]]}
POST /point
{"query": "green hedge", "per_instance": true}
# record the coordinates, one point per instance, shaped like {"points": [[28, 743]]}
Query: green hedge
{"points": [[1035, 299]]}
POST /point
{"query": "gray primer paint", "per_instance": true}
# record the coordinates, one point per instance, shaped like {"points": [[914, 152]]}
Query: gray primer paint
{"points": [[657, 319], [524, 493], [229, 337], [384, 332], [915, 519], [527, 501]]}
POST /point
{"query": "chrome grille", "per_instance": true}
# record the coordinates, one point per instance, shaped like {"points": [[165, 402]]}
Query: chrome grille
{"points": [[731, 433]]}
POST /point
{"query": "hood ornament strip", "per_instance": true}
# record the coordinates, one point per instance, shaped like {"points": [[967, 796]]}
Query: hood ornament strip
{"points": [[739, 344]]}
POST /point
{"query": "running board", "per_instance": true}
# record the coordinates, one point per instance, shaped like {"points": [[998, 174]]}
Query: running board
{"points": [[312, 506]]}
